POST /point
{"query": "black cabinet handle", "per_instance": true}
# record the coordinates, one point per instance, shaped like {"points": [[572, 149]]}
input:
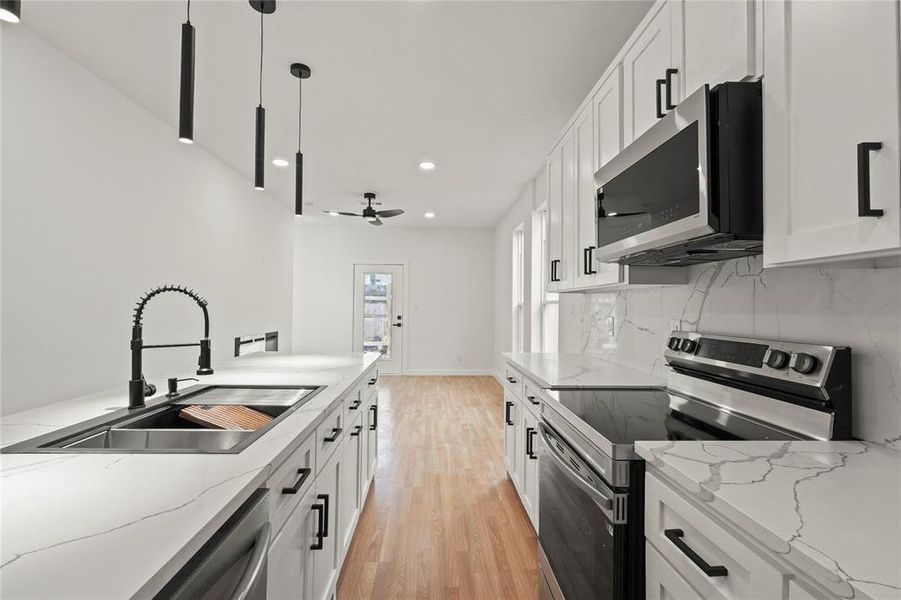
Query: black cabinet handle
{"points": [[336, 431], [588, 268], [375, 417], [355, 405], [863, 179], [511, 379], [317, 545], [533, 400], [507, 407], [530, 449], [304, 473], [356, 431], [669, 88], [324, 498], [373, 380], [554, 263], [660, 84], [675, 536]]}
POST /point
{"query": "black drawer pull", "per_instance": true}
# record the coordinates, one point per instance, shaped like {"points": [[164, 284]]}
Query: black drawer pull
{"points": [[356, 431], [355, 405], [659, 91], [375, 417], [507, 407], [304, 474], [669, 88], [510, 379], [336, 431], [533, 400], [373, 381], [317, 545], [324, 498], [675, 536], [863, 179], [530, 447]]}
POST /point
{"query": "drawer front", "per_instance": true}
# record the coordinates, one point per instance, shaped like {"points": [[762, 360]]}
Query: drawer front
{"points": [[532, 396], [329, 435], [371, 384], [662, 582], [290, 482], [691, 541], [513, 380], [353, 402]]}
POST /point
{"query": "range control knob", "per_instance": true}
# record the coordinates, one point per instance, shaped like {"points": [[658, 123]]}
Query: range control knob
{"points": [[776, 359], [673, 343], [803, 363], [688, 345]]}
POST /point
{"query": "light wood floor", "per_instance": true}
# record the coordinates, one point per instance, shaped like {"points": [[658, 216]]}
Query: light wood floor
{"points": [[442, 519]]}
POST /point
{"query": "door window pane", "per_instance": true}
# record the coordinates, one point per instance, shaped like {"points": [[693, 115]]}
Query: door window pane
{"points": [[377, 311]]}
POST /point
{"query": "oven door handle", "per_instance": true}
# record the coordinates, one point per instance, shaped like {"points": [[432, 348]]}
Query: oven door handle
{"points": [[596, 492]]}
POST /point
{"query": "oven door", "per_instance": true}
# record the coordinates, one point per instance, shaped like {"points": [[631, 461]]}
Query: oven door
{"points": [[655, 192], [582, 530]]}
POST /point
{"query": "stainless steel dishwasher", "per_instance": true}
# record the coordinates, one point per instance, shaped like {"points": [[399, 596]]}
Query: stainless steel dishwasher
{"points": [[232, 564]]}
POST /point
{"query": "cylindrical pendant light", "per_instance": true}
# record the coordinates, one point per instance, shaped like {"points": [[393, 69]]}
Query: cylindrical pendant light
{"points": [[10, 10], [301, 71], [186, 89], [264, 7]]}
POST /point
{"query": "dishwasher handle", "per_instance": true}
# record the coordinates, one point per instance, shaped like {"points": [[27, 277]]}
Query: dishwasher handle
{"points": [[256, 568]]}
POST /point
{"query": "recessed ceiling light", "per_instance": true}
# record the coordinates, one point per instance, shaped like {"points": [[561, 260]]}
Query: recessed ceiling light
{"points": [[429, 215], [332, 213], [280, 162], [426, 165]]}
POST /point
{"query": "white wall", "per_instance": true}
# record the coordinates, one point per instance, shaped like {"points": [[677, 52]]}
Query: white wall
{"points": [[520, 213], [449, 272], [100, 203]]}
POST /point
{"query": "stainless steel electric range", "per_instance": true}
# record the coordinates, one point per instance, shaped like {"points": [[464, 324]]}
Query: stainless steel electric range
{"points": [[591, 482]]}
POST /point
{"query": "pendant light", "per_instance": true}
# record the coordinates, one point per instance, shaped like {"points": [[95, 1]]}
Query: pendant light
{"points": [[301, 71], [10, 10], [186, 89], [264, 7]]}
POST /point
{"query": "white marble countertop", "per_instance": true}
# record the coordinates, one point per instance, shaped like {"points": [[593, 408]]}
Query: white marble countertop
{"points": [[121, 525], [572, 371], [830, 509]]}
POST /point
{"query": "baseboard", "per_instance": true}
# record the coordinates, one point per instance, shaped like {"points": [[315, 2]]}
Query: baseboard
{"points": [[449, 372]]}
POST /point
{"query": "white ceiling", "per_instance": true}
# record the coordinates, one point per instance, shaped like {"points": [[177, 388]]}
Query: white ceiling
{"points": [[481, 88]]}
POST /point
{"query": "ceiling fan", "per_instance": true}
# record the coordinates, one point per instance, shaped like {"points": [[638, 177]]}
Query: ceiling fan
{"points": [[370, 214]]}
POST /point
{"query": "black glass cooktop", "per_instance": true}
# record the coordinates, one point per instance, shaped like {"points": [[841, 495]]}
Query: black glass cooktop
{"points": [[623, 417]]}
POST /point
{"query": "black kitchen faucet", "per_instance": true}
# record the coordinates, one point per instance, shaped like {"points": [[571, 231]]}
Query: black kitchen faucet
{"points": [[138, 387]]}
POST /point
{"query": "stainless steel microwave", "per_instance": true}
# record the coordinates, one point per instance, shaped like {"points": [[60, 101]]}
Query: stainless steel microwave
{"points": [[688, 190]]}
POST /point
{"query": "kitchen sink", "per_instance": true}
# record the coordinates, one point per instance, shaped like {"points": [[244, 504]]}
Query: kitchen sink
{"points": [[159, 429]]}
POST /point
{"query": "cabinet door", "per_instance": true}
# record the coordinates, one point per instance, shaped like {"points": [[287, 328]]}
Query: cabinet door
{"points": [[598, 132], [290, 571], [363, 471], [325, 559], [718, 40], [662, 582], [646, 61], [510, 404], [530, 468], [831, 84], [372, 447], [567, 266], [349, 488], [555, 217]]}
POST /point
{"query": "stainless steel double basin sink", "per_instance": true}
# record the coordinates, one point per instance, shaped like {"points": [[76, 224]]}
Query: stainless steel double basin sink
{"points": [[159, 429]]}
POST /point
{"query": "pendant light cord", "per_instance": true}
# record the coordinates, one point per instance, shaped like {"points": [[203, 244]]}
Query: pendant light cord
{"points": [[261, 59], [299, 109], [189, 12]]}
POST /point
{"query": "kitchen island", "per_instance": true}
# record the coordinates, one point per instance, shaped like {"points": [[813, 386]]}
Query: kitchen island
{"points": [[121, 525]]}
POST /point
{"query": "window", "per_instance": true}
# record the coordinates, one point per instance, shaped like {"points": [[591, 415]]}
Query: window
{"points": [[519, 270], [550, 302]]}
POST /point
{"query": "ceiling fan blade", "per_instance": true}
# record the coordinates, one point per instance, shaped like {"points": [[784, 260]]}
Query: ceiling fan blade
{"points": [[389, 213], [345, 214], [376, 222]]}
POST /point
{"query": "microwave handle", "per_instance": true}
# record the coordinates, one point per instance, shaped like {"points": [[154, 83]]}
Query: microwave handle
{"points": [[256, 568], [597, 494]]}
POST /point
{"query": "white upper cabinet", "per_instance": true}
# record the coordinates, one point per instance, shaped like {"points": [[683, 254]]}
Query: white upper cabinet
{"points": [[831, 162], [598, 137], [561, 173], [717, 42], [649, 72], [555, 217]]}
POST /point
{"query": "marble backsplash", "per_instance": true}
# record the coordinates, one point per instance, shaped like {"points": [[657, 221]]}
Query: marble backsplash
{"points": [[857, 306]]}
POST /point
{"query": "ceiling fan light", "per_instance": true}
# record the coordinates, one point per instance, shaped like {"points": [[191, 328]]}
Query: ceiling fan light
{"points": [[333, 213], [10, 10]]}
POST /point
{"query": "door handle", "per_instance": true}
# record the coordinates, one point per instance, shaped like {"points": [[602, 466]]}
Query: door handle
{"points": [[375, 417], [317, 545], [589, 268], [675, 536], [507, 407], [669, 88], [397, 325], [324, 498], [336, 431], [256, 567], [863, 179], [304, 474], [554, 264], [660, 84], [530, 443]]}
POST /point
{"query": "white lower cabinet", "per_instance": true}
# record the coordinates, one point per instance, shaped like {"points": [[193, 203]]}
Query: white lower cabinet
{"points": [[529, 483], [290, 574], [372, 442], [349, 487], [521, 415], [512, 443], [662, 582], [325, 559]]}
